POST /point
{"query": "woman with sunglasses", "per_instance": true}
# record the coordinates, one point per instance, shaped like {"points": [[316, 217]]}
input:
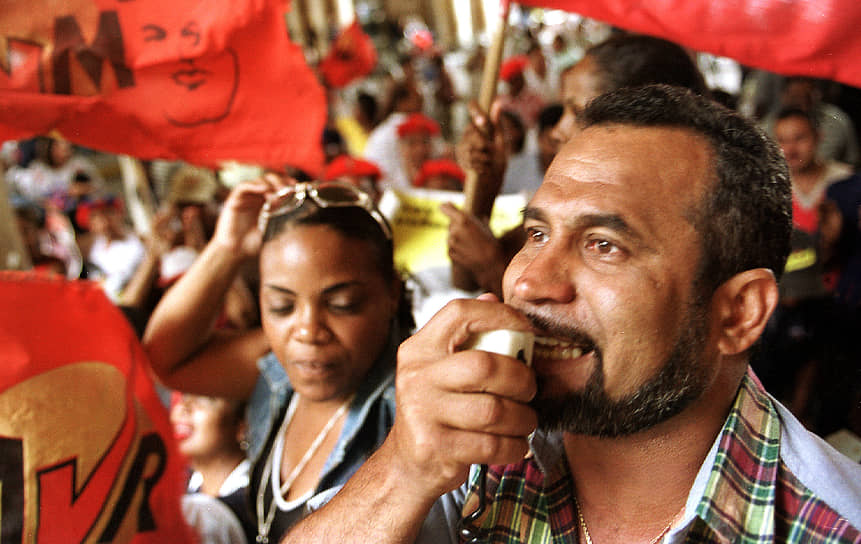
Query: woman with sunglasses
{"points": [[319, 375]]}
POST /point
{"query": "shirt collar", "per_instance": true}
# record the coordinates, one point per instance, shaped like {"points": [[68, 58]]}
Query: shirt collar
{"points": [[734, 491], [739, 495]]}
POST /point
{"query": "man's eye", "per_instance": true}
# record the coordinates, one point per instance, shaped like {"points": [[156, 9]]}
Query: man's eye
{"points": [[536, 235], [154, 33], [603, 247]]}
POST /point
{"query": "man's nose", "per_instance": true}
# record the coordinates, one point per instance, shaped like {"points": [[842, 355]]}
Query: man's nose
{"points": [[545, 278]]}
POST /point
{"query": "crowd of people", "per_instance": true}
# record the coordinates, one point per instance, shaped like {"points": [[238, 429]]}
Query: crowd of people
{"points": [[687, 270]]}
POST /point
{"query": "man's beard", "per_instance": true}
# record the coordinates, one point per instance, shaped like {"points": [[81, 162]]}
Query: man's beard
{"points": [[680, 381]]}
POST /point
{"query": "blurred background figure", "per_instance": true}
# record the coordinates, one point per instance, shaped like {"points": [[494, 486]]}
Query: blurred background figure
{"points": [[51, 170], [382, 145], [528, 158], [356, 127], [113, 251], [517, 96], [358, 172], [799, 136], [210, 433], [416, 146], [808, 356], [46, 253], [837, 139], [440, 175]]}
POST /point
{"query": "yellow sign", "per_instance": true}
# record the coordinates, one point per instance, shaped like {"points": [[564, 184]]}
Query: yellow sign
{"points": [[421, 229]]}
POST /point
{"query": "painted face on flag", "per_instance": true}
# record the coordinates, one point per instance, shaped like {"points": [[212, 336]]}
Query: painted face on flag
{"points": [[182, 57], [199, 87]]}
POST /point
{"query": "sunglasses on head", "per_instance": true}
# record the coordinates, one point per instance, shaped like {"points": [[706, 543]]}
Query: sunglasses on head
{"points": [[325, 194]]}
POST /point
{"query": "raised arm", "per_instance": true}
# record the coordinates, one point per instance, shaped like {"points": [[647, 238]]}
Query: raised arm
{"points": [[179, 339], [454, 408]]}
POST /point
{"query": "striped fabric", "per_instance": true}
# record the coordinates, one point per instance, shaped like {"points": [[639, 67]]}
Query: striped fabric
{"points": [[751, 496]]}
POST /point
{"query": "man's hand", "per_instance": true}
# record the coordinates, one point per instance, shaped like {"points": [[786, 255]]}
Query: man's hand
{"points": [[473, 246], [482, 147], [456, 408]]}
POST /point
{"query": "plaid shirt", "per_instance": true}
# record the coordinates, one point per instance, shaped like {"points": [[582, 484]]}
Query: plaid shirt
{"points": [[751, 495]]}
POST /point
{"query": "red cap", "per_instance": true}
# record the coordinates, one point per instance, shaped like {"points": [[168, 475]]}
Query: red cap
{"points": [[82, 213], [345, 165], [513, 66], [418, 123], [439, 167]]}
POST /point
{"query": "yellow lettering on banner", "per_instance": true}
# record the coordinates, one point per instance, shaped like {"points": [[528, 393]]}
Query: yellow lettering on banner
{"points": [[420, 229]]}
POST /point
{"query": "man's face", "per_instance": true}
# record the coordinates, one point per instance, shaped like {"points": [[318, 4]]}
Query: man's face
{"points": [[797, 140], [580, 84], [607, 276], [415, 150]]}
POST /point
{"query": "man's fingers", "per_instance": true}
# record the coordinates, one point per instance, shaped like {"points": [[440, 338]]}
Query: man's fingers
{"points": [[459, 319], [487, 414], [485, 448], [476, 371]]}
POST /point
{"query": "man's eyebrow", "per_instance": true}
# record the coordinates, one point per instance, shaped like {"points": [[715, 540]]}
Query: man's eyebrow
{"points": [[611, 221], [533, 213]]}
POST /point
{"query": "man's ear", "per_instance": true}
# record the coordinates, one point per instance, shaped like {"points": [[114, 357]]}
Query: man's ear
{"points": [[743, 305]]}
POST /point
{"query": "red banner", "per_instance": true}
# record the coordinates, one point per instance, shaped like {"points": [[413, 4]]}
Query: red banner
{"points": [[86, 451], [177, 79], [352, 56], [818, 38]]}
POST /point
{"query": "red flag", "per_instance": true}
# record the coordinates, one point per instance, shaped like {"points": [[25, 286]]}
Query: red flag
{"points": [[177, 79], [817, 38], [86, 451], [352, 56]]}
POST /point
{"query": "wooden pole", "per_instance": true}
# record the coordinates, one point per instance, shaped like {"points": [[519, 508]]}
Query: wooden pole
{"points": [[478, 198], [13, 253]]}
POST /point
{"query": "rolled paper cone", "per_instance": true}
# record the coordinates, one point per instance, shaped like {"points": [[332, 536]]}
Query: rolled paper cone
{"points": [[517, 344]]}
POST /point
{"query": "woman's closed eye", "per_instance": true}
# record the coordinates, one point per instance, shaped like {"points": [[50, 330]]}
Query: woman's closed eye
{"points": [[281, 307], [345, 304]]}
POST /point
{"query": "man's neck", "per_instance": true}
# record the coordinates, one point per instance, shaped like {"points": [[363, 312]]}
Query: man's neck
{"points": [[807, 178], [631, 488]]}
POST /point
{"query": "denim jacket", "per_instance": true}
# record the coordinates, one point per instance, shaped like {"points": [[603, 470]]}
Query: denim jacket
{"points": [[369, 418]]}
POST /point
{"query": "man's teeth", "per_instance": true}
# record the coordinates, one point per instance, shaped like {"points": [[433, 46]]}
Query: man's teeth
{"points": [[555, 349]]}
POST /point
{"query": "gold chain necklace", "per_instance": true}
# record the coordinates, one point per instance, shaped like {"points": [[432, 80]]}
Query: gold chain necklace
{"points": [[589, 537]]}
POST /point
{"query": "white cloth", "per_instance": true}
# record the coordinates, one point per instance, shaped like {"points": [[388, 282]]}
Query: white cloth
{"points": [[237, 479], [523, 174], [382, 149], [114, 263], [214, 521]]}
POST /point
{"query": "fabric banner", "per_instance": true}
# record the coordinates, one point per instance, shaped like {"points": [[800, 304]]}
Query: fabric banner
{"points": [[86, 451], [817, 38], [203, 82], [351, 57]]}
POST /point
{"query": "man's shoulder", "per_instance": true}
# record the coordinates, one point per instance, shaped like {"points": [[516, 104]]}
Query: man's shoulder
{"points": [[816, 482]]}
